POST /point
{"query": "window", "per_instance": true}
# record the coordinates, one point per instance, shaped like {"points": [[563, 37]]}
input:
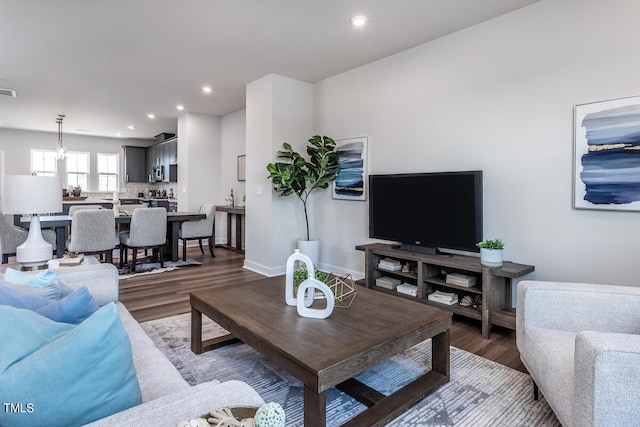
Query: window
{"points": [[77, 168], [108, 172], [44, 163]]}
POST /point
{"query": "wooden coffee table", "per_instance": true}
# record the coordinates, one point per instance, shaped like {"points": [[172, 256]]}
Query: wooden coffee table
{"points": [[329, 352]]}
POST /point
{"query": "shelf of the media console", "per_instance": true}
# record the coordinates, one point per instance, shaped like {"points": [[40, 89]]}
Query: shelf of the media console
{"points": [[436, 280], [398, 273], [455, 308]]}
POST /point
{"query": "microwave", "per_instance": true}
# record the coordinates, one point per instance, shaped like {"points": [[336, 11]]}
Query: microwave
{"points": [[158, 173]]}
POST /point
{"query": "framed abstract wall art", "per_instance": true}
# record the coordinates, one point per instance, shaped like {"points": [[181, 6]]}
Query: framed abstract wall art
{"points": [[242, 167], [607, 155], [350, 184]]}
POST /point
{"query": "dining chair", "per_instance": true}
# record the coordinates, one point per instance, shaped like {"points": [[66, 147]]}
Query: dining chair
{"points": [[148, 230], [198, 230], [93, 232], [12, 236], [75, 208]]}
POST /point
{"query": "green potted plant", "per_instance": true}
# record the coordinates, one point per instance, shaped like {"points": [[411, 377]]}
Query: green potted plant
{"points": [[299, 176], [491, 252]]}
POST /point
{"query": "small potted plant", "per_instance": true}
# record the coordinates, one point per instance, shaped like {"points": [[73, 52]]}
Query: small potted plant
{"points": [[491, 252]]}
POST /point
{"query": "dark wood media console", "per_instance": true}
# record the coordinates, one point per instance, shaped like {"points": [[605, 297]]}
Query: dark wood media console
{"points": [[492, 284]]}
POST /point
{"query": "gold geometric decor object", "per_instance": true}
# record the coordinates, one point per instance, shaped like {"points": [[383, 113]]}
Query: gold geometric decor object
{"points": [[343, 287]]}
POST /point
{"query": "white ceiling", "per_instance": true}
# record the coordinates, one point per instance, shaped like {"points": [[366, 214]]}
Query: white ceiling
{"points": [[107, 64]]}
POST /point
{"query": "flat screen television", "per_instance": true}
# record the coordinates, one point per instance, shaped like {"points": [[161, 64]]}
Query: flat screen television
{"points": [[427, 211]]}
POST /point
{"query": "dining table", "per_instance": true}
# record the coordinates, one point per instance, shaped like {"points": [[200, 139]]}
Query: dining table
{"points": [[60, 223]]}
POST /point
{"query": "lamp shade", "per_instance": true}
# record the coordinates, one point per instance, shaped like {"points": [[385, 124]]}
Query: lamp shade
{"points": [[30, 194]]}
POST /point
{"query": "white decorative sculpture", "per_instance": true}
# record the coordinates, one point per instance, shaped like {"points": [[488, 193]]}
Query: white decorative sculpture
{"points": [[289, 291], [309, 286], [307, 289]]}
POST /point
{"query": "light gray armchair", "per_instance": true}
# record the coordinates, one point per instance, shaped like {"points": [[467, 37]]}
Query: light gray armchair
{"points": [[12, 236], [148, 230], [581, 345], [198, 230], [93, 232]]}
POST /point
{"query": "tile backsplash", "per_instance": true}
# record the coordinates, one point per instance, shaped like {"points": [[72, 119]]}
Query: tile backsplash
{"points": [[130, 190]]}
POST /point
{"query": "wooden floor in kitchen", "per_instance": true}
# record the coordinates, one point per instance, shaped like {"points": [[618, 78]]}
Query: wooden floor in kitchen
{"points": [[153, 296]]}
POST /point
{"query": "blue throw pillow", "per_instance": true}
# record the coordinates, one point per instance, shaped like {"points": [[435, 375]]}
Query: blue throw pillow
{"points": [[53, 290], [35, 280], [74, 308], [64, 375], [43, 283], [18, 299]]}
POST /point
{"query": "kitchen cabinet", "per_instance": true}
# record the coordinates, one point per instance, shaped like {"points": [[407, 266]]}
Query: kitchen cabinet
{"points": [[152, 155], [135, 159], [173, 151], [163, 154]]}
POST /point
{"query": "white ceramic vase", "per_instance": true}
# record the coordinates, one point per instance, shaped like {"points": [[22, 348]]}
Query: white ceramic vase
{"points": [[307, 289], [310, 248], [491, 257], [289, 292]]}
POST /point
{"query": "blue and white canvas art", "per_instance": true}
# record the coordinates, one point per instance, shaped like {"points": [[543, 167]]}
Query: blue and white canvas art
{"points": [[607, 155], [351, 180]]}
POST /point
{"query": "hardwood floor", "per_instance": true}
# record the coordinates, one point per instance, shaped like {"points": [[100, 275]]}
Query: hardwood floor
{"points": [[153, 296]]}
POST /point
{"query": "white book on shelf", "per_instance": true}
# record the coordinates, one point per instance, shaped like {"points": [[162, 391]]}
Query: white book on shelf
{"points": [[390, 264], [444, 295], [461, 279], [443, 300], [387, 282], [407, 289]]}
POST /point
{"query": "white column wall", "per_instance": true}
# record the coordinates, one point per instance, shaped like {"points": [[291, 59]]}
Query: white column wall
{"points": [[279, 109], [199, 160]]}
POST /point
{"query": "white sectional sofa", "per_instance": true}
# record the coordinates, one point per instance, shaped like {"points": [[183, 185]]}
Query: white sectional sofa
{"points": [[167, 398]]}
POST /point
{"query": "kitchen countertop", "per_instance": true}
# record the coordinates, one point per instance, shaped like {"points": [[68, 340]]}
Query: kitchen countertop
{"points": [[87, 201], [147, 199], [142, 199]]}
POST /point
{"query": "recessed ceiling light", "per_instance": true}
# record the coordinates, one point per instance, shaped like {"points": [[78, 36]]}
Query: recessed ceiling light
{"points": [[132, 127], [207, 89], [180, 107], [151, 116], [359, 20]]}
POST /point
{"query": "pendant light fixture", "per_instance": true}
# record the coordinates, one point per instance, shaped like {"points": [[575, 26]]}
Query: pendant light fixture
{"points": [[61, 151]]}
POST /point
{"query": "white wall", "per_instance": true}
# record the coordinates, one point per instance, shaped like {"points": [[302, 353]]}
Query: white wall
{"points": [[498, 97]]}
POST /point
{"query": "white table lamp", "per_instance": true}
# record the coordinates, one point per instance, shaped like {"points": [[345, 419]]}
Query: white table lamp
{"points": [[32, 195]]}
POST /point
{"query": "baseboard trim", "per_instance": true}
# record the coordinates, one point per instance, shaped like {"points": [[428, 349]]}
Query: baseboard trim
{"points": [[263, 269]]}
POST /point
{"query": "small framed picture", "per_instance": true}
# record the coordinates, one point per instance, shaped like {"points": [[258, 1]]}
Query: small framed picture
{"points": [[350, 184], [242, 168]]}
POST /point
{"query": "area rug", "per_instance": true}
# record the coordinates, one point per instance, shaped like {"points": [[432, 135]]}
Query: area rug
{"points": [[480, 393], [154, 267]]}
